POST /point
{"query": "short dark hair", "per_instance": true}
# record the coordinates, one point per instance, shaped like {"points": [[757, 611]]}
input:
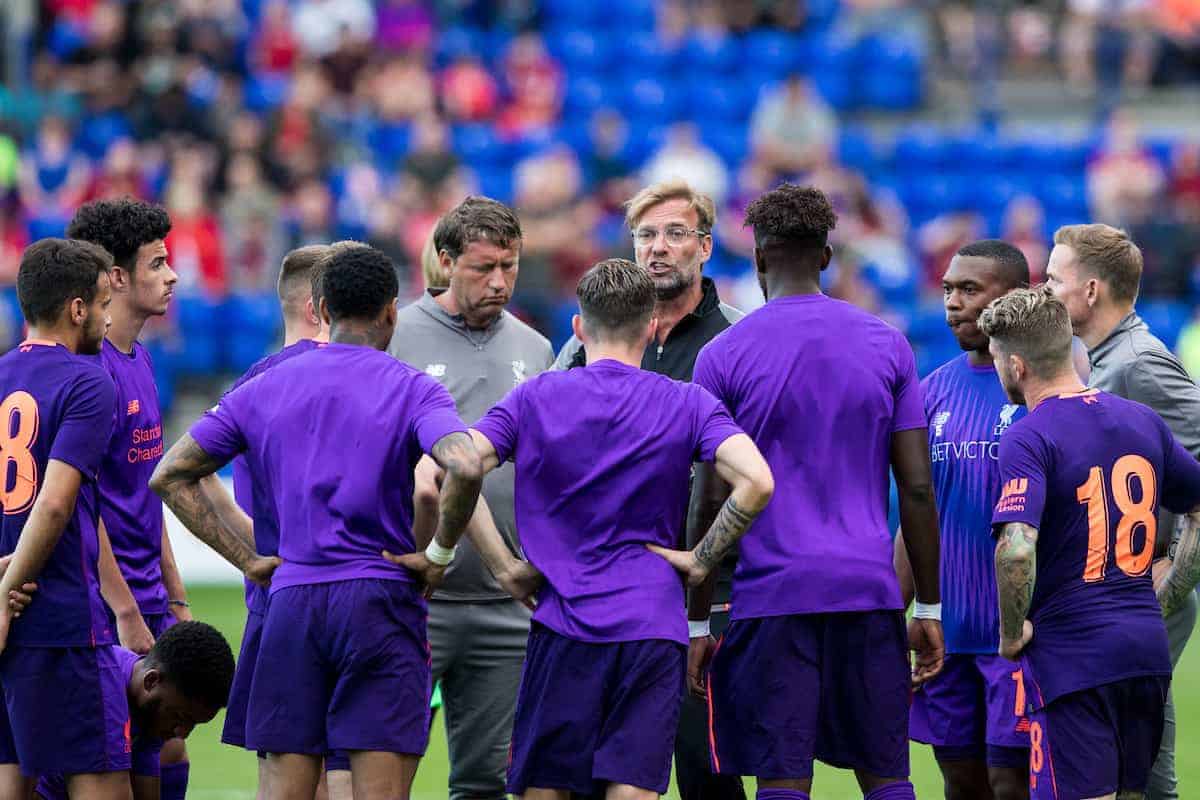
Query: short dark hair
{"points": [[317, 273], [476, 219], [55, 271], [120, 227], [791, 214], [358, 281], [195, 657], [614, 296], [297, 268], [1011, 261]]}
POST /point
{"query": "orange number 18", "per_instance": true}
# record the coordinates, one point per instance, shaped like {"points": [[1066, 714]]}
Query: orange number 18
{"points": [[1134, 514], [18, 431]]}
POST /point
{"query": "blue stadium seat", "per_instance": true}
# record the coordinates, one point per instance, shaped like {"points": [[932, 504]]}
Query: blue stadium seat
{"points": [[389, 141], [635, 15], [834, 71], [266, 91], [920, 149], [857, 150], [456, 42], [580, 51], [46, 225], [586, 94], [892, 89], [771, 52], [1166, 318], [581, 13], [496, 182], [98, 133], [719, 100], [646, 136], [711, 55], [928, 322], [821, 14], [642, 55], [891, 71], [1063, 195], [978, 152], [651, 98], [731, 142], [478, 144]]}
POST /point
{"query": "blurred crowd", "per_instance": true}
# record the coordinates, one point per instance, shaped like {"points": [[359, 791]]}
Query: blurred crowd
{"points": [[263, 125]]}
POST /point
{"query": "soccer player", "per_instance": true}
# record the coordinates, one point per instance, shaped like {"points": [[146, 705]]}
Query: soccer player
{"points": [[335, 434], [302, 331], [671, 226], [814, 663], [1084, 475], [969, 712], [1096, 271], [65, 709], [181, 683], [145, 590], [602, 686]]}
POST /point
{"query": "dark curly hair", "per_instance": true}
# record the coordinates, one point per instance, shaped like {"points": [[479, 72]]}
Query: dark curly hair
{"points": [[120, 227], [357, 281], [195, 657], [476, 219], [791, 214], [54, 272]]}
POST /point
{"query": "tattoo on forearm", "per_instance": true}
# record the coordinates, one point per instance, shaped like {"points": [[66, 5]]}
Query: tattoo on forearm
{"points": [[731, 522], [1185, 570], [460, 489], [1016, 573], [177, 481]]}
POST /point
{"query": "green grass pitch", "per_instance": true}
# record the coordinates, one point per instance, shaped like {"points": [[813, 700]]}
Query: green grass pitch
{"points": [[225, 773]]}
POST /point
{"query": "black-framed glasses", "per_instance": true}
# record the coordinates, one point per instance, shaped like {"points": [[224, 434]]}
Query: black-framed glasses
{"points": [[675, 235]]}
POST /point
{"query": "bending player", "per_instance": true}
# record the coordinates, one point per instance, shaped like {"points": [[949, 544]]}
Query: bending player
{"points": [[1084, 474], [58, 416], [182, 682], [142, 585], [603, 679], [814, 662], [336, 433], [969, 713]]}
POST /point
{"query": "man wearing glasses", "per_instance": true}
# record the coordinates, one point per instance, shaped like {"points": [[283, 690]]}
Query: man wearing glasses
{"points": [[671, 225]]}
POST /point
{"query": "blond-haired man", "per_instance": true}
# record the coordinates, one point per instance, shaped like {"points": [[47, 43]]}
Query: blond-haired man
{"points": [[1096, 270]]}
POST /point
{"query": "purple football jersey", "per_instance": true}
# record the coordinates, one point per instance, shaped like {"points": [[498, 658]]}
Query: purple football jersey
{"points": [[132, 513], [253, 497], [603, 458], [820, 386], [1089, 471], [56, 405], [334, 435]]}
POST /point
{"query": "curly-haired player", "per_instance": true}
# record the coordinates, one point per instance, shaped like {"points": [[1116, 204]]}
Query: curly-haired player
{"points": [[138, 574], [182, 682], [814, 663]]}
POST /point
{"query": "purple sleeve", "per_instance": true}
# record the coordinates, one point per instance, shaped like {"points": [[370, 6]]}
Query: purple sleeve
{"points": [[499, 424], [219, 432], [715, 424], [909, 409], [1022, 478], [435, 416], [83, 436], [144, 758], [1181, 475], [707, 374]]}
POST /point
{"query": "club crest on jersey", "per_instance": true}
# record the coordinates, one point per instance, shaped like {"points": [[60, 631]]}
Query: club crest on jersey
{"points": [[518, 368], [1006, 418], [436, 370], [939, 422]]}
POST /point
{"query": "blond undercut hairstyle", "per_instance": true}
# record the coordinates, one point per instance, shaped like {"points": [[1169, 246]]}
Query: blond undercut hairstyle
{"points": [[616, 299], [674, 189], [1108, 253], [1033, 324]]}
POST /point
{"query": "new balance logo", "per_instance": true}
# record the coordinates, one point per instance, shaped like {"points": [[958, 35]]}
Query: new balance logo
{"points": [[436, 370], [939, 422], [134, 407]]}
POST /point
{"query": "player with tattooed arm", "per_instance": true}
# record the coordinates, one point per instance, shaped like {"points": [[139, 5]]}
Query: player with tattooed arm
{"points": [[602, 686], [1083, 477], [335, 434]]}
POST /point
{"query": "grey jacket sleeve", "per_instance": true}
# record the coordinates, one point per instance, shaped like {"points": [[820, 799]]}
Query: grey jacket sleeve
{"points": [[1160, 382], [568, 354]]}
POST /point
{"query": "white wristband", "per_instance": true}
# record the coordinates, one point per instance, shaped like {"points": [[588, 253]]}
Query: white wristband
{"points": [[927, 611], [439, 555], [698, 628]]}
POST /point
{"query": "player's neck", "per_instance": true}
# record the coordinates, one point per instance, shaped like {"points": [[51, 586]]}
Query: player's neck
{"points": [[55, 334], [1066, 383], [980, 358], [614, 351], [783, 286], [126, 326], [296, 333], [1102, 323], [362, 334], [670, 312]]}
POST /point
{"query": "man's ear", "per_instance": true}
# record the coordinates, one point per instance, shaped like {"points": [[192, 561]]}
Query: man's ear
{"points": [[577, 328]]}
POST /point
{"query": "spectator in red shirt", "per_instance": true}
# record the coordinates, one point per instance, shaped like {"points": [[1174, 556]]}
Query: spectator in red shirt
{"points": [[195, 243]]}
